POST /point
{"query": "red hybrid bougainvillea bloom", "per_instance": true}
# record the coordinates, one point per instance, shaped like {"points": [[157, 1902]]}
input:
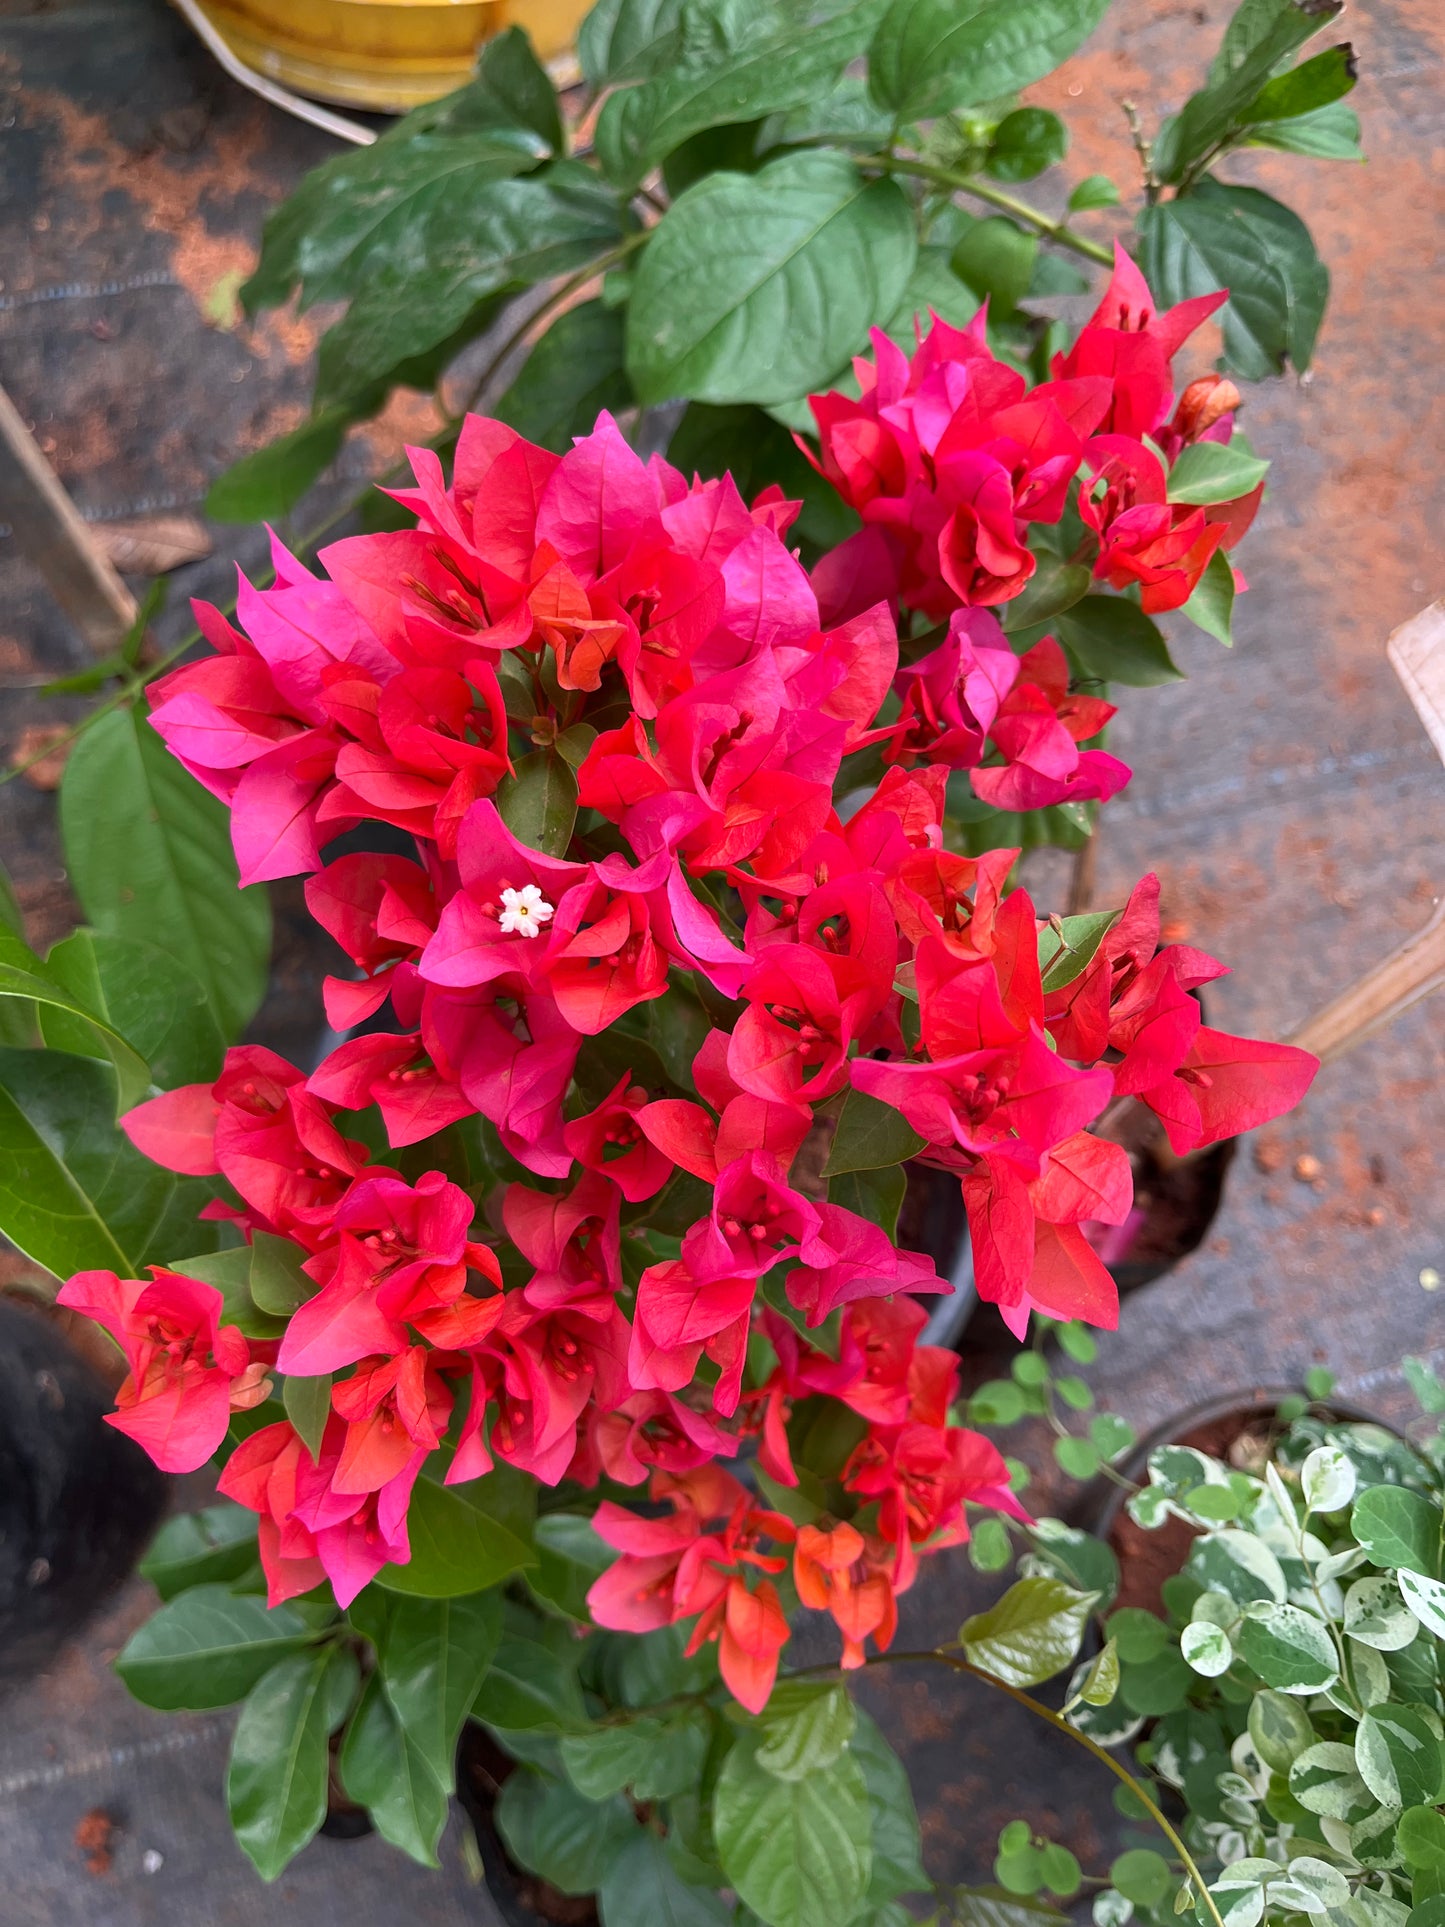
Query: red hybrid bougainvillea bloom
{"points": [[819, 961]]}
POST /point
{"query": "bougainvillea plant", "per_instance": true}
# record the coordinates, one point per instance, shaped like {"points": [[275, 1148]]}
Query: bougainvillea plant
{"points": [[552, 1333]]}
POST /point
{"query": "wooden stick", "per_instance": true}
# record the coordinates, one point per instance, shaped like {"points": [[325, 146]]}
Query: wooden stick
{"points": [[1380, 996], [52, 535]]}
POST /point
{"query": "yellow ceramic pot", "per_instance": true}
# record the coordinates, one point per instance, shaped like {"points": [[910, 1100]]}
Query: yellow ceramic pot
{"points": [[388, 55]]}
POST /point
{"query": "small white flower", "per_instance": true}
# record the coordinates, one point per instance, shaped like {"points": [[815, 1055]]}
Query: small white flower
{"points": [[524, 911]]}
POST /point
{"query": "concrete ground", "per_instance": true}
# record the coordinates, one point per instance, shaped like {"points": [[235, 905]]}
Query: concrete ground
{"points": [[1285, 794]]}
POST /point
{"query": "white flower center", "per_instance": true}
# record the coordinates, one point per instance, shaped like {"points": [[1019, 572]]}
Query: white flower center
{"points": [[524, 911]]}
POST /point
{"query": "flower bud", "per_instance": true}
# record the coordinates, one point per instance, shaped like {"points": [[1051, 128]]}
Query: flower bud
{"points": [[1202, 404]]}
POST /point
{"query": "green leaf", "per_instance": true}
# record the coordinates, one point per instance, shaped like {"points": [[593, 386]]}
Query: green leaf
{"points": [[1329, 134], [628, 39], [570, 1556], [573, 373], [511, 88], [75, 1194], [1100, 1683], [1325, 1779], [932, 285], [531, 1685], [1425, 1598], [230, 1273], [1288, 1648], [1398, 1528], [656, 1758], [993, 1907], [208, 1647], [553, 1830], [1077, 1457], [1076, 1556], [1142, 1876], [1398, 1754], [930, 56], [1377, 1616], [1026, 142], [1107, 639], [472, 243], [278, 1284], [1214, 472], [1420, 1838], [805, 1727], [768, 69], [871, 1136], [208, 1547], [1066, 952], [538, 802], [1095, 190], [1222, 108], [874, 1195], [757, 287], [799, 1852], [1139, 1635], [642, 1888], [433, 1659], [308, 1406], [1238, 238], [1315, 83], [68, 1021], [465, 1538], [1030, 1634], [149, 854], [276, 1782], [1279, 1728], [151, 999], [267, 484], [383, 1769], [1206, 1649], [996, 258], [1211, 606], [1051, 590]]}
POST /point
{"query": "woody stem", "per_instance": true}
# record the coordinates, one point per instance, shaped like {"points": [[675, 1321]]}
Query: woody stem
{"points": [[1050, 230]]}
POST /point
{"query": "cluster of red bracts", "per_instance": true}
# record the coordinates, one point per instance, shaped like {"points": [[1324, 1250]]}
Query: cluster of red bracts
{"points": [[864, 958], [950, 459]]}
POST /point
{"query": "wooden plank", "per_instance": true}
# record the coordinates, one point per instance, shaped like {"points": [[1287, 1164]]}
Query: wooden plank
{"points": [[1417, 652], [51, 534]]}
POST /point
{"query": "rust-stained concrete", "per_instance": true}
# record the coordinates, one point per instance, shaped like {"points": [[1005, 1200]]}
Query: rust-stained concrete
{"points": [[1286, 793]]}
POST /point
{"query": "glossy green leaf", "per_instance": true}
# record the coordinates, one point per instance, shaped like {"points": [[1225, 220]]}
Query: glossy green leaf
{"points": [[871, 1136], [1425, 1599], [230, 1272], [1420, 1838], [642, 1888], [69, 1020], [511, 88], [629, 39], [278, 1284], [1094, 191], [465, 1538], [383, 1769], [267, 484], [805, 1726], [1107, 639], [531, 1685], [1214, 472], [769, 68], [1329, 134], [874, 1195], [208, 1547], [1066, 951], [1141, 1875], [1024, 143], [573, 373], [1315, 83], [473, 242], [570, 1556], [996, 258], [1030, 1634], [307, 1403], [276, 1781], [538, 802], [1100, 1683], [1288, 1648], [1238, 238], [555, 1831], [1211, 606], [208, 1647], [434, 1656], [932, 288], [149, 853], [897, 1844], [757, 287], [1054, 588], [653, 1757], [1398, 1754], [156, 1003], [798, 1852], [929, 56], [75, 1194], [755, 450], [1398, 1528]]}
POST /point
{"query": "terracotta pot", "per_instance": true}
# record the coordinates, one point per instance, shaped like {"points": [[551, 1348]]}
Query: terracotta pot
{"points": [[386, 55]]}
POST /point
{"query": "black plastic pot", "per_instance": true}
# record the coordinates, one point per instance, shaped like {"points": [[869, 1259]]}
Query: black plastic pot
{"points": [[1212, 1425], [520, 1898], [78, 1500]]}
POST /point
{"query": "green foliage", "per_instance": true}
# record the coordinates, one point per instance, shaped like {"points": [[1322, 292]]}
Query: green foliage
{"points": [[208, 1647], [930, 56], [1031, 1633], [276, 1782], [465, 1537], [870, 1136], [798, 1851]]}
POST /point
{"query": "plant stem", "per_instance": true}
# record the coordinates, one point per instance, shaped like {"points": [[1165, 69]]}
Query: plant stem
{"points": [[1056, 231]]}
